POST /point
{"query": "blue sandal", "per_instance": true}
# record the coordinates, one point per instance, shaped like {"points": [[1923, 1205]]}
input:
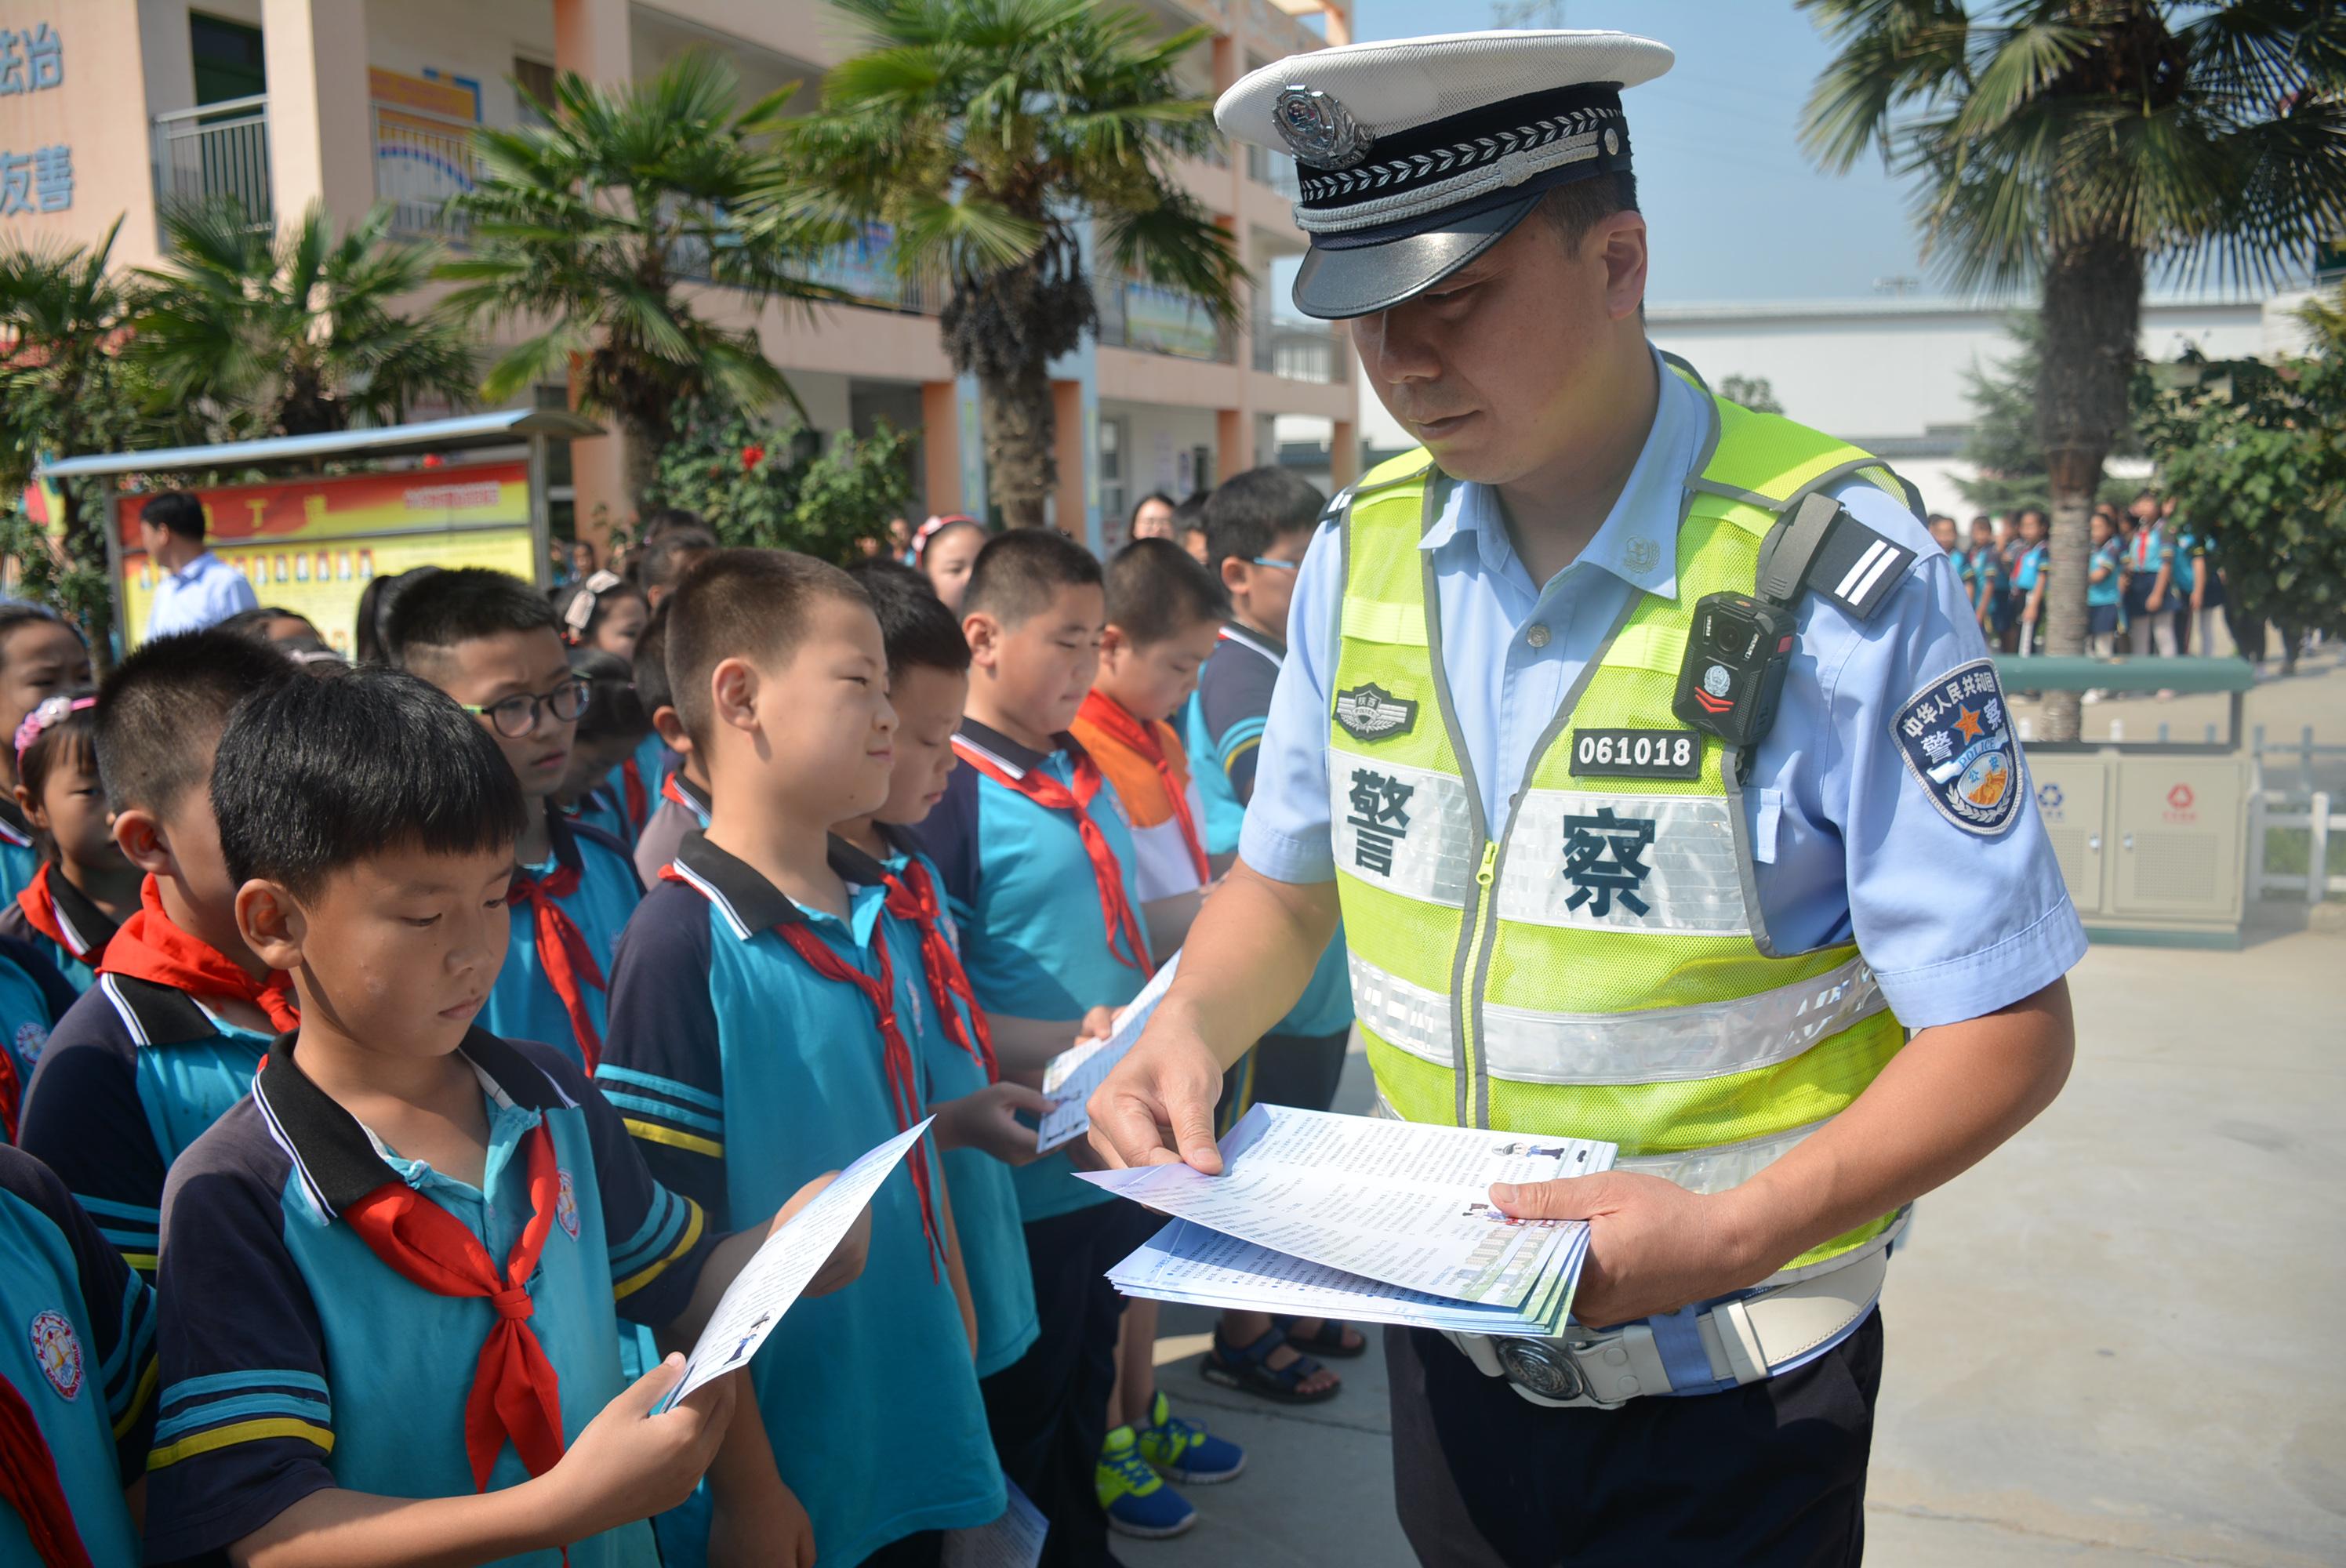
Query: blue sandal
{"points": [[1248, 1368]]}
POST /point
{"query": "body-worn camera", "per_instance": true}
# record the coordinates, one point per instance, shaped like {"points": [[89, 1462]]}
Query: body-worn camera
{"points": [[1734, 667]]}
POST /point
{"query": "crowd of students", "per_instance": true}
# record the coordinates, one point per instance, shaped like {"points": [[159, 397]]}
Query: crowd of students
{"points": [[400, 1059], [2153, 586]]}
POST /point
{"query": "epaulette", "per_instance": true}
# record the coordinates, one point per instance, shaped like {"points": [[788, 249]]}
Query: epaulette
{"points": [[1818, 547]]}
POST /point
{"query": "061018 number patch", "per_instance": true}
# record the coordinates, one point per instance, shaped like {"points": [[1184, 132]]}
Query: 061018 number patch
{"points": [[1636, 753]]}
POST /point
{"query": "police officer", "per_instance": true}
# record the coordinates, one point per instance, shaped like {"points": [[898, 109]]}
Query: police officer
{"points": [[1650, 752]]}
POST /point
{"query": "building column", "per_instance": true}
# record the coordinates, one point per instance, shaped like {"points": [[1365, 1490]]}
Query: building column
{"points": [[1233, 442], [1073, 456], [941, 446], [590, 38], [321, 138], [1343, 453]]}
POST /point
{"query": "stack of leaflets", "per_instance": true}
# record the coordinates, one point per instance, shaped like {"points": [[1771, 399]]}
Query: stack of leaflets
{"points": [[1074, 1073], [1323, 1215]]}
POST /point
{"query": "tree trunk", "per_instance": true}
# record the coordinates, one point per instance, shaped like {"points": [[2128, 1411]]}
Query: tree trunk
{"points": [[1021, 427], [2092, 321]]}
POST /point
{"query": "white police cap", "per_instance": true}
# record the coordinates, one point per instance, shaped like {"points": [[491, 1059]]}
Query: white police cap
{"points": [[1418, 153]]}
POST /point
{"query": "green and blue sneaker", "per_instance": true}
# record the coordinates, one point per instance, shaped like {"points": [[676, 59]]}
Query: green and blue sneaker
{"points": [[1184, 1449], [1137, 1501]]}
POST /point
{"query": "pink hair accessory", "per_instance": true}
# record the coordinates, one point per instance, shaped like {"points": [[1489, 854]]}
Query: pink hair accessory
{"points": [[53, 710]]}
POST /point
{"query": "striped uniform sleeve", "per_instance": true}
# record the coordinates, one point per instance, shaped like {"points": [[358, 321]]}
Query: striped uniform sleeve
{"points": [[662, 1072], [245, 1421], [84, 1120], [948, 838], [116, 1303], [1234, 698], [660, 1241]]}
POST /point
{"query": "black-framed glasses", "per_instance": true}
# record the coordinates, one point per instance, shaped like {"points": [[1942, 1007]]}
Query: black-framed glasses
{"points": [[515, 716]]}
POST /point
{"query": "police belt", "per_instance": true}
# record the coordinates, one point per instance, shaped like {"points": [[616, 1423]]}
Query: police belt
{"points": [[1703, 1348]]}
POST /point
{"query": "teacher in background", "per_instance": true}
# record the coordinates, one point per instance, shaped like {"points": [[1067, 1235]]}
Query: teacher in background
{"points": [[194, 588]]}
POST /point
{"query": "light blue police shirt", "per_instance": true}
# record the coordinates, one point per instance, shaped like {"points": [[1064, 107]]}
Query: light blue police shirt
{"points": [[1849, 844], [203, 593]]}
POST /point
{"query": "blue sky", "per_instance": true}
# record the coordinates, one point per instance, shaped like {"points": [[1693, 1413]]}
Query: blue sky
{"points": [[1736, 209]]}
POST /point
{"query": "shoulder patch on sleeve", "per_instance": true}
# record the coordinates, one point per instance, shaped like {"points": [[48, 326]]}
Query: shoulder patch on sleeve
{"points": [[1956, 737], [1858, 568]]}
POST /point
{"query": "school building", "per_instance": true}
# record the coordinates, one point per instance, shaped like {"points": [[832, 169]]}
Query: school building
{"points": [[109, 108]]}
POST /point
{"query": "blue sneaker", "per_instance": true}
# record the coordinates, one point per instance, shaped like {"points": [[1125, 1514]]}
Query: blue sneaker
{"points": [[1137, 1501], [1184, 1449]]}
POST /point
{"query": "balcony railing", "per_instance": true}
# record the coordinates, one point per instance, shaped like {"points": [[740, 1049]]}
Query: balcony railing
{"points": [[1159, 320], [216, 152], [1302, 351], [422, 162], [1275, 170]]}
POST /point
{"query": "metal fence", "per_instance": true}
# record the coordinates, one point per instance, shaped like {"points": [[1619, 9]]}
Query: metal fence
{"points": [[2272, 811], [422, 162], [216, 152]]}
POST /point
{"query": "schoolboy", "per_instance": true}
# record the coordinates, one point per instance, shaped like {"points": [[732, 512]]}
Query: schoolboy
{"points": [[1039, 868], [683, 804], [76, 1379], [168, 1037], [389, 1273], [679, 543], [977, 1132], [763, 1011], [491, 642], [594, 790], [1259, 524]]}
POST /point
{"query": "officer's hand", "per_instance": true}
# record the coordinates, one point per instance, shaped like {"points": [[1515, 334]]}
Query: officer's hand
{"points": [[1158, 1106], [1653, 1247]]}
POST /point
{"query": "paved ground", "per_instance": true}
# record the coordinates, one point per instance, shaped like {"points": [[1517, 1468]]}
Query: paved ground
{"points": [[2114, 1342]]}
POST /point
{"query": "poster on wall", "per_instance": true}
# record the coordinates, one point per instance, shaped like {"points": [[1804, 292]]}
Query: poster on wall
{"points": [[1167, 321], [312, 546]]}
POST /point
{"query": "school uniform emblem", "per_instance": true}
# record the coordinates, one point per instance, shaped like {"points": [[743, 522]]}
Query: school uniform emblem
{"points": [[57, 1349], [1956, 737], [1372, 713], [31, 1041], [565, 1203]]}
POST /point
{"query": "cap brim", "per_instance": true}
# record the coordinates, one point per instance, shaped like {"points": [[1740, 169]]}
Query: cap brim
{"points": [[1337, 280]]}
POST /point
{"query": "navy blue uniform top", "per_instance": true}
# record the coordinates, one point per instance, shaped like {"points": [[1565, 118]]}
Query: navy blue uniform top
{"points": [[294, 1359], [744, 1073], [79, 1349], [32, 997], [91, 927], [133, 1074]]}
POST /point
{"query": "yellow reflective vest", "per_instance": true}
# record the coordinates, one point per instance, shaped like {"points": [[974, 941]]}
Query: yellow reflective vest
{"points": [[1601, 968]]}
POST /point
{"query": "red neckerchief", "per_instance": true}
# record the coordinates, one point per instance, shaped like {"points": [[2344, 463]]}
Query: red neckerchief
{"points": [[12, 1097], [39, 902], [29, 1483], [149, 947], [631, 782], [562, 950], [1125, 730], [913, 896], [1047, 793], [516, 1391]]}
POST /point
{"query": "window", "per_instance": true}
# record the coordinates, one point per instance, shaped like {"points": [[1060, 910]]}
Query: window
{"points": [[1114, 513], [535, 80], [227, 59]]}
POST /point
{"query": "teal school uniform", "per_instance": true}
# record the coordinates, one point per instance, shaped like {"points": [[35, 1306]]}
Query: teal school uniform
{"points": [[32, 997], [79, 1351], [984, 1198], [20, 859], [60, 922], [1032, 935], [600, 810], [524, 1004], [294, 1359], [132, 1075], [744, 1073]]}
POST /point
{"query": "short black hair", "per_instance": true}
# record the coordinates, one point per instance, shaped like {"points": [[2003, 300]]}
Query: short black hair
{"points": [[162, 707], [666, 558], [1156, 590], [741, 604], [1571, 210], [176, 510], [304, 646], [1253, 511], [581, 605], [662, 520], [652, 689], [1018, 573], [1152, 496], [314, 776], [460, 606], [370, 637], [920, 632], [614, 710], [1189, 508]]}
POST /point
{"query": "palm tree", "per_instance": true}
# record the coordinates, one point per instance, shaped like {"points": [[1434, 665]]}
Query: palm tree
{"points": [[988, 133], [67, 390], [2077, 144], [587, 232], [295, 334]]}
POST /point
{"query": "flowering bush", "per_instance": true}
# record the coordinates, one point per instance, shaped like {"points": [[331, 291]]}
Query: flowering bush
{"points": [[776, 486]]}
